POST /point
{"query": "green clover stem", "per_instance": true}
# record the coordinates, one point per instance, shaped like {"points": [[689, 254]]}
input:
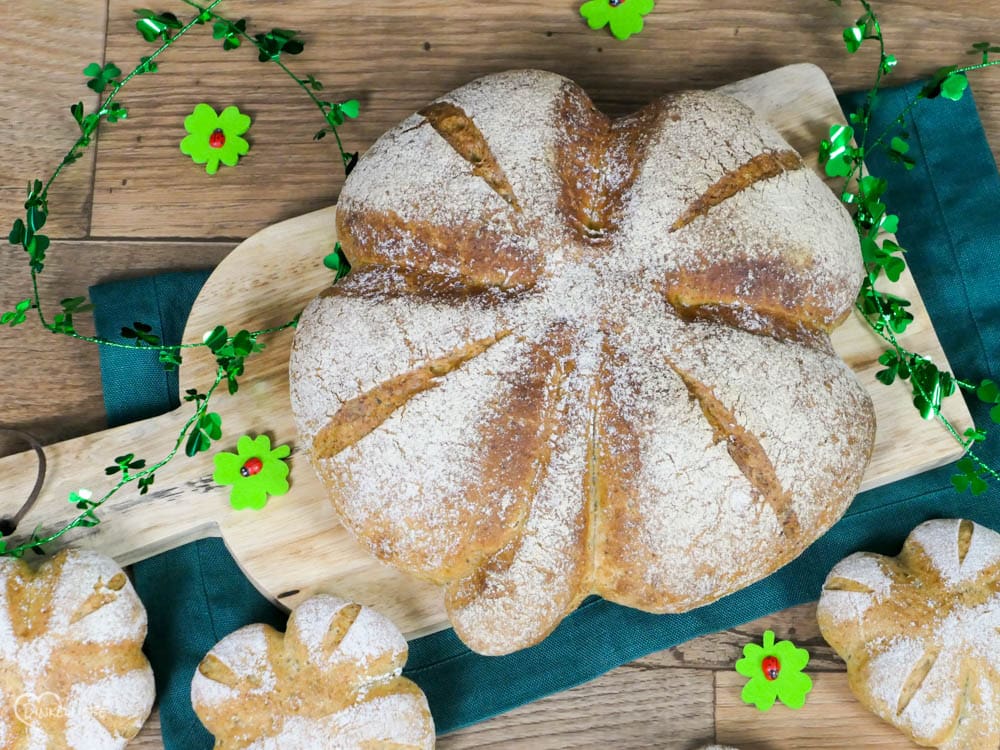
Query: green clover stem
{"points": [[880, 141], [38, 199], [128, 477], [886, 334], [302, 84], [880, 320], [101, 341], [84, 140]]}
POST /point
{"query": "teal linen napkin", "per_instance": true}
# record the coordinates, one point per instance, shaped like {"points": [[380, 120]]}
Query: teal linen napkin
{"points": [[196, 594]]}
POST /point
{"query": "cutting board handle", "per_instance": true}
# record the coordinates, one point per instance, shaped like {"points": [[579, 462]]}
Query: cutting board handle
{"points": [[156, 517]]}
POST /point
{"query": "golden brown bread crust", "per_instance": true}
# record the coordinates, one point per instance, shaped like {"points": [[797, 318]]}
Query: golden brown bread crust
{"points": [[761, 167], [597, 161], [434, 256], [71, 663], [331, 680], [659, 416], [919, 633], [461, 132]]}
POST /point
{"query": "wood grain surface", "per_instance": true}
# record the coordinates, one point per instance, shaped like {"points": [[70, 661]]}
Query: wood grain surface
{"points": [[142, 207]]}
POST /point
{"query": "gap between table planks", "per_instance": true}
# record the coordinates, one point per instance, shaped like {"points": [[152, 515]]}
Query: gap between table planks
{"points": [[295, 546]]}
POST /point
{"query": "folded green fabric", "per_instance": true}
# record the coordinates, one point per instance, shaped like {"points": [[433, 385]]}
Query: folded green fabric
{"points": [[195, 595]]}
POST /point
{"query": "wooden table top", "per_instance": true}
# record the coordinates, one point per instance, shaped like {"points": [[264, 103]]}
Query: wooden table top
{"points": [[134, 206]]}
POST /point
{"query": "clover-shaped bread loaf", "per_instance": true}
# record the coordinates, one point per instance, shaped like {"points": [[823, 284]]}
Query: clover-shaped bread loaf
{"points": [[921, 633], [72, 672], [332, 680], [579, 355]]}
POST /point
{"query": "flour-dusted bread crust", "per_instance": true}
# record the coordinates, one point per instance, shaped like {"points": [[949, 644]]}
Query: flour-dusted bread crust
{"points": [[332, 680], [921, 633], [72, 672], [581, 356]]}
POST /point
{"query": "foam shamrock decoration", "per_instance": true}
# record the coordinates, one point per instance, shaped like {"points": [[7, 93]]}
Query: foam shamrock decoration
{"points": [[775, 672], [214, 138], [623, 16], [255, 471]]}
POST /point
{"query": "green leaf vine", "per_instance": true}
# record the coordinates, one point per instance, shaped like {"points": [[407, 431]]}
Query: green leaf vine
{"points": [[203, 427], [842, 155]]}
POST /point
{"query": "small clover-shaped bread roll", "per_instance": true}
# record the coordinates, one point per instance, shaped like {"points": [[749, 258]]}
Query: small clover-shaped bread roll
{"points": [[332, 680], [72, 672], [919, 633]]}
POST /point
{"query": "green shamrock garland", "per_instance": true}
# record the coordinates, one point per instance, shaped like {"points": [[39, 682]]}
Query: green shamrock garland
{"points": [[204, 426], [842, 155]]}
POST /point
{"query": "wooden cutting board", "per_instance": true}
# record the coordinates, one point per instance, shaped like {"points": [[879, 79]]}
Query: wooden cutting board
{"points": [[295, 546]]}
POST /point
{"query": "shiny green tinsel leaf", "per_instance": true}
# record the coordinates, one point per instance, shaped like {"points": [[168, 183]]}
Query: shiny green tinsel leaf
{"points": [[16, 235], [351, 108], [116, 112], [932, 88], [230, 32], [170, 359], [984, 49], [836, 154], [924, 406], [101, 77], [337, 262], [894, 268], [969, 477], [989, 392], [954, 86], [145, 483], [853, 36], [960, 482], [838, 167], [18, 315], [141, 333], [208, 428], [272, 45], [975, 435], [890, 223], [891, 360], [216, 338], [154, 25]]}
